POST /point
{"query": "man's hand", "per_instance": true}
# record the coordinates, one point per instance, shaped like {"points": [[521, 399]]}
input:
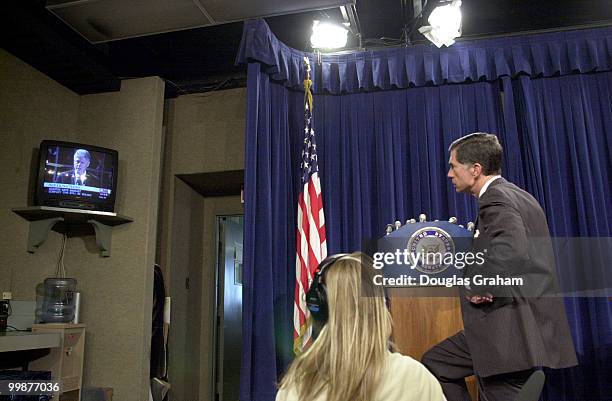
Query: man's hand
{"points": [[480, 299]]}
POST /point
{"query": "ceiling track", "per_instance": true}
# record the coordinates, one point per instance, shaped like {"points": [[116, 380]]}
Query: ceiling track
{"points": [[349, 14]]}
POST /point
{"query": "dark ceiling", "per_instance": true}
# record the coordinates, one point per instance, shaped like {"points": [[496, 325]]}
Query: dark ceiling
{"points": [[202, 59]]}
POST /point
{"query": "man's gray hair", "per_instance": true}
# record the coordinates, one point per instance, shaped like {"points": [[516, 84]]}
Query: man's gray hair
{"points": [[82, 153]]}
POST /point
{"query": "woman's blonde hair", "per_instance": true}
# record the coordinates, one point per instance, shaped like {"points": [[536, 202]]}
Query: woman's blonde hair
{"points": [[347, 357]]}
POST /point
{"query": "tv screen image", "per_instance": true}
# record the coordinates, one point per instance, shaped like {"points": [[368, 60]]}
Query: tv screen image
{"points": [[76, 176]]}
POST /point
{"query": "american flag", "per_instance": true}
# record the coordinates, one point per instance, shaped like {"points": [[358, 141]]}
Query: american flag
{"points": [[311, 244]]}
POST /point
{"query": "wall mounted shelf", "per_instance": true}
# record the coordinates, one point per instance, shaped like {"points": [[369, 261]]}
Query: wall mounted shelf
{"points": [[72, 222]]}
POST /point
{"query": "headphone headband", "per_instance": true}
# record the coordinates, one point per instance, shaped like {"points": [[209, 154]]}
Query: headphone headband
{"points": [[316, 298]]}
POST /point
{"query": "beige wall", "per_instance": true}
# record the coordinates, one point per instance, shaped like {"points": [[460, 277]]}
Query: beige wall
{"points": [[32, 108], [208, 131], [204, 133], [117, 291], [186, 311]]}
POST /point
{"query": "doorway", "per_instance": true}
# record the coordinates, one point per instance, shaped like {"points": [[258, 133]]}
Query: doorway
{"points": [[228, 324]]}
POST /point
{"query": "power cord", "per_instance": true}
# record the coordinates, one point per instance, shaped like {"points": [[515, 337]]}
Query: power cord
{"points": [[60, 268]]}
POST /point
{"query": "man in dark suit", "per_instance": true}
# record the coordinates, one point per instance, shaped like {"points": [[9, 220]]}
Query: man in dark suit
{"points": [[509, 331], [79, 175]]}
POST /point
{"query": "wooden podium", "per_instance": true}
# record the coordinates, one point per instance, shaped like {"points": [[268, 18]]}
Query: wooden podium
{"points": [[424, 316], [420, 322]]}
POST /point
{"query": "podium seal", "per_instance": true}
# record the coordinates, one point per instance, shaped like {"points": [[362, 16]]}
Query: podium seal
{"points": [[431, 250]]}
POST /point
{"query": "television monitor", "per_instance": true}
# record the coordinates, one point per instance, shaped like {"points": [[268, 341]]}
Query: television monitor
{"points": [[76, 175]]}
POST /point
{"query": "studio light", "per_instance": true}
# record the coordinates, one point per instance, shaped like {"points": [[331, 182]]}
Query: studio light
{"points": [[328, 36], [444, 24]]}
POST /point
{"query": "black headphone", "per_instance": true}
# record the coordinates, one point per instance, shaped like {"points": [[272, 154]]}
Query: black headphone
{"points": [[316, 298]]}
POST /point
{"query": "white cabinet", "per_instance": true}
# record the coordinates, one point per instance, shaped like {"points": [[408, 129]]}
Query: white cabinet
{"points": [[66, 361]]}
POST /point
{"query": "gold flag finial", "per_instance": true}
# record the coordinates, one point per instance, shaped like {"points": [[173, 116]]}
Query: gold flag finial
{"points": [[308, 84]]}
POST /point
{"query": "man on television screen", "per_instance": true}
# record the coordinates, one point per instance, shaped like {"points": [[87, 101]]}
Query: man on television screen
{"points": [[79, 175]]}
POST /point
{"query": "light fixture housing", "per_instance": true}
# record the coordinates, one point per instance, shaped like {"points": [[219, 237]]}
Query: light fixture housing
{"points": [[444, 24], [328, 36]]}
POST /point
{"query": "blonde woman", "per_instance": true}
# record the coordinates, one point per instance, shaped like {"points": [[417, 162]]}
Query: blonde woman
{"points": [[350, 359]]}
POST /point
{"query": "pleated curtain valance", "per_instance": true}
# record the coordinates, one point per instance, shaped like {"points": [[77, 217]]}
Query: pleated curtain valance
{"points": [[537, 55]]}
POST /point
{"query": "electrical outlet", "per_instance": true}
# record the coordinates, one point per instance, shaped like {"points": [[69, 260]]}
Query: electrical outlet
{"points": [[7, 295]]}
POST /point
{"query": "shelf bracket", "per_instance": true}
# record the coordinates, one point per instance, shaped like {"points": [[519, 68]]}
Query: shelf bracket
{"points": [[39, 231], [75, 222], [103, 237]]}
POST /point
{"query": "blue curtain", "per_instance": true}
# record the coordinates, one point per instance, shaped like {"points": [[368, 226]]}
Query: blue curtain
{"points": [[544, 55], [564, 128], [383, 155], [274, 116], [382, 129]]}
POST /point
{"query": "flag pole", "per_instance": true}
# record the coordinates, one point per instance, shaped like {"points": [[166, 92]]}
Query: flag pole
{"points": [[311, 243]]}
